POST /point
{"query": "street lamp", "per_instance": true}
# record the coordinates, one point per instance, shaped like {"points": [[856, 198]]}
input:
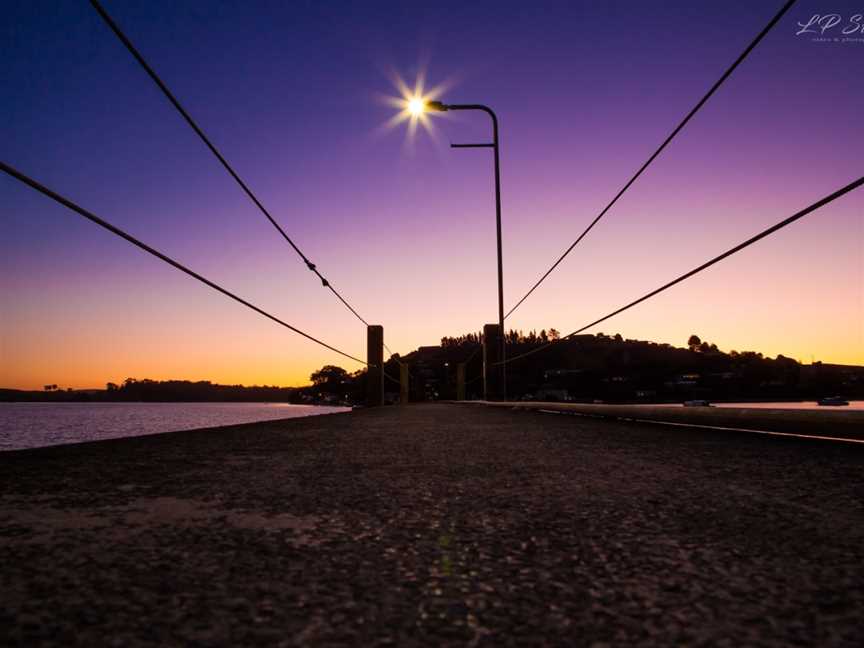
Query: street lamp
{"points": [[416, 106]]}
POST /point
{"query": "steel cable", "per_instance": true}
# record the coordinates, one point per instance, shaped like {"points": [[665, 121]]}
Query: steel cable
{"points": [[159, 255], [654, 155]]}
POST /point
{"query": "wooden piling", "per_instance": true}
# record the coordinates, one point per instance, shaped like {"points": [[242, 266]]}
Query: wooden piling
{"points": [[375, 370]]}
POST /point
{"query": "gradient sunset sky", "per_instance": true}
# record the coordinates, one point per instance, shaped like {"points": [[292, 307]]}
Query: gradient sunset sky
{"points": [[291, 92]]}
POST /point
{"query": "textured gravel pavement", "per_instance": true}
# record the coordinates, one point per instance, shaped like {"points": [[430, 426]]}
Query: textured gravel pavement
{"points": [[434, 525]]}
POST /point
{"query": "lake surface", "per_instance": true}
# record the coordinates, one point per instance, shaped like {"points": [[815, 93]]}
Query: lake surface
{"points": [[801, 405], [32, 425]]}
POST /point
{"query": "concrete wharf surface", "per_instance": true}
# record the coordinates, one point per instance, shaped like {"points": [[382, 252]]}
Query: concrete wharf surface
{"points": [[434, 525]]}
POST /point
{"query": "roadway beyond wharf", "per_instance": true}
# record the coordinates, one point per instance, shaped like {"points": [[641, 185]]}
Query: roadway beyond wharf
{"points": [[434, 525]]}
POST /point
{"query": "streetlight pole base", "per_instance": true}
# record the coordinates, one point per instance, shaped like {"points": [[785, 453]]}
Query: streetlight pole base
{"points": [[493, 383]]}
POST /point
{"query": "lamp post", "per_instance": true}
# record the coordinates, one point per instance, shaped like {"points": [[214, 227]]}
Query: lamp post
{"points": [[439, 106]]}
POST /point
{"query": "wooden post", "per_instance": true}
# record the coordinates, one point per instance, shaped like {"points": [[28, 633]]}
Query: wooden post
{"points": [[491, 372], [375, 370], [460, 381], [403, 383]]}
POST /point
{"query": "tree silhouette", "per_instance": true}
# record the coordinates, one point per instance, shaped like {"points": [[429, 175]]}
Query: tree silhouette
{"points": [[693, 342], [329, 374]]}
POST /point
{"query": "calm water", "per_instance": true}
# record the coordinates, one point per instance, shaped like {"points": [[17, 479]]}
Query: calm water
{"points": [[806, 405], [31, 425]]}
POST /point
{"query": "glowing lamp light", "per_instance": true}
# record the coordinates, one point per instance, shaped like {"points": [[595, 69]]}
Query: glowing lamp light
{"points": [[416, 106]]}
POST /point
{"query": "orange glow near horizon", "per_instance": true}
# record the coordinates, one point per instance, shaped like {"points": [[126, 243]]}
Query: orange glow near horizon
{"points": [[30, 369]]}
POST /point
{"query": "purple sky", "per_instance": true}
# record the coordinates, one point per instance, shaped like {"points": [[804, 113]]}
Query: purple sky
{"points": [[291, 94]]}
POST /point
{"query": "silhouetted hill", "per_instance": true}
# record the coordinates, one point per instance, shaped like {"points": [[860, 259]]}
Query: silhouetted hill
{"points": [[611, 368]]}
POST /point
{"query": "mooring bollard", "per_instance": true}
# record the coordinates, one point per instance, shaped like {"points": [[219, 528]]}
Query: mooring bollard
{"points": [[375, 368]]}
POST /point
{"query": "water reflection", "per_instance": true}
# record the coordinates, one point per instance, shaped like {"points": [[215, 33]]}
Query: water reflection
{"points": [[32, 425]]}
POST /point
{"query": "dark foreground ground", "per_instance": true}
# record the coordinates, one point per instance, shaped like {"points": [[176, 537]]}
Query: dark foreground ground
{"points": [[437, 524]]}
